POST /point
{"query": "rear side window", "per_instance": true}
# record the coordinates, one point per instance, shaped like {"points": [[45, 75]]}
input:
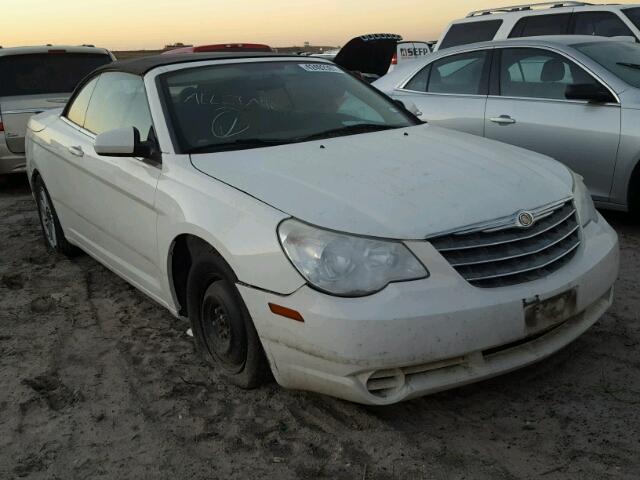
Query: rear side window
{"points": [[470, 32], [420, 80], [537, 25], [78, 107], [464, 74], [119, 100], [45, 73], [603, 24]]}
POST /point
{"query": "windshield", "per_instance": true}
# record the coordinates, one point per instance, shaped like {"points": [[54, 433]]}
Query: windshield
{"points": [[620, 58], [246, 105], [634, 15], [42, 73]]}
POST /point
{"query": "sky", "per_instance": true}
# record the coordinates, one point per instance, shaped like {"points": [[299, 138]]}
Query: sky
{"points": [[151, 24]]}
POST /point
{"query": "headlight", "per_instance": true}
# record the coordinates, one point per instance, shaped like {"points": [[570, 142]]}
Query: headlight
{"points": [[347, 265], [583, 201]]}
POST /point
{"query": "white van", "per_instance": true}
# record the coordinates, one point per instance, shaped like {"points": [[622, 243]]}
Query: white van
{"points": [[35, 79], [537, 19]]}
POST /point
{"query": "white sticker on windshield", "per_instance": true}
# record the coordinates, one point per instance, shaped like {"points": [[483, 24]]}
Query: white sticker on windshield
{"points": [[320, 67]]}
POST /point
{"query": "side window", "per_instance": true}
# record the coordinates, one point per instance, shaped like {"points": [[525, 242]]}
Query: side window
{"points": [[419, 81], [119, 100], [537, 25], [78, 108], [470, 32], [603, 24], [460, 74], [535, 73]]}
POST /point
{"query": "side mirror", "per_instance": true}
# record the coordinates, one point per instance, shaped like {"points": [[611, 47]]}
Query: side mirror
{"points": [[409, 106], [122, 142], [594, 93]]}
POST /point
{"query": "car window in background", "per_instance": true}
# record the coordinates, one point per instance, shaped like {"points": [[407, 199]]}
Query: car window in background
{"points": [[535, 73], [214, 106], [420, 80], [78, 107], [119, 100], [602, 24], [44, 73], [459, 74], [470, 32], [634, 15], [620, 58], [537, 25]]}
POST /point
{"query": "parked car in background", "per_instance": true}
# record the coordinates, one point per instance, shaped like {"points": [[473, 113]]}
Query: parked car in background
{"points": [[409, 51], [574, 98], [222, 47], [34, 79], [376, 54], [549, 18], [308, 226]]}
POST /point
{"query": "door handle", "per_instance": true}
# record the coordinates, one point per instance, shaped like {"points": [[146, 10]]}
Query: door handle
{"points": [[76, 150], [503, 120]]}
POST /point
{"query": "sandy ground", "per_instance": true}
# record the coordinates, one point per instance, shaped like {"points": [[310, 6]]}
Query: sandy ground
{"points": [[98, 382]]}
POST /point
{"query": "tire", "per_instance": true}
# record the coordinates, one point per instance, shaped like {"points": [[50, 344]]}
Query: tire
{"points": [[222, 327], [51, 229]]}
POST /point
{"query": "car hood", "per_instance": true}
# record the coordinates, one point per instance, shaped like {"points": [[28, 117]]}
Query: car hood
{"points": [[370, 54], [406, 183]]}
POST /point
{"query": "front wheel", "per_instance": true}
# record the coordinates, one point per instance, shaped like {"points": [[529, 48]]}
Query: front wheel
{"points": [[222, 327]]}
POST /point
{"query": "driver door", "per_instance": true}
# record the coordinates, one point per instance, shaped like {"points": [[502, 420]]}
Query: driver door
{"points": [[114, 200], [530, 110]]}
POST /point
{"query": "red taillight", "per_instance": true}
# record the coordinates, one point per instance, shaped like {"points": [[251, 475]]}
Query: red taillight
{"points": [[1, 127], [394, 60]]}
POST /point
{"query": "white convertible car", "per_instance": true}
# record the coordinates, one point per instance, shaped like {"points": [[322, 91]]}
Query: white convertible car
{"points": [[312, 229]]}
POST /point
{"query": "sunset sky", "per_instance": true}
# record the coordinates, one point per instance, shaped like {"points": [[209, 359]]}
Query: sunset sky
{"points": [[139, 24]]}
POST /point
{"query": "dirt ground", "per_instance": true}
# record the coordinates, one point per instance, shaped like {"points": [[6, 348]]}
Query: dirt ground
{"points": [[97, 382]]}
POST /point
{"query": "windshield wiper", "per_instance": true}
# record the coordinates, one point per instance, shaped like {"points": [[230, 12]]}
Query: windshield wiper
{"points": [[347, 130], [239, 144], [630, 65]]}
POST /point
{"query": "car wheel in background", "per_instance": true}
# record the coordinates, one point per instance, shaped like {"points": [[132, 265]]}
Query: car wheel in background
{"points": [[224, 332], [51, 229]]}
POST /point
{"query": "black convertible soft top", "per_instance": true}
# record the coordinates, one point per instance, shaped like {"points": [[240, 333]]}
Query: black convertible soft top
{"points": [[140, 66]]}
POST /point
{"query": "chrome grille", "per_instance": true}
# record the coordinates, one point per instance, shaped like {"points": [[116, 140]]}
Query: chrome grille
{"points": [[500, 253]]}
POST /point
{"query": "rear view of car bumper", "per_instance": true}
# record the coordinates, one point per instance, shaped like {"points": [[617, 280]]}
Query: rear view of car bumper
{"points": [[417, 338], [10, 162]]}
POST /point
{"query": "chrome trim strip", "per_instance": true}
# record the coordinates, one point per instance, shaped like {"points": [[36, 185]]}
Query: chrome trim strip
{"points": [[525, 270], [513, 240], [520, 255], [502, 223]]}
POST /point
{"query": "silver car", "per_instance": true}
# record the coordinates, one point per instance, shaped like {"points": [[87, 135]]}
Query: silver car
{"points": [[35, 79], [574, 98]]}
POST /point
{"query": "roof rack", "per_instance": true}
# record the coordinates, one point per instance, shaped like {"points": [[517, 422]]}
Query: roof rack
{"points": [[529, 6]]}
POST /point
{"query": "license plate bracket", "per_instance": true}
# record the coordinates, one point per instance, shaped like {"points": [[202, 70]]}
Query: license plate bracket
{"points": [[544, 314]]}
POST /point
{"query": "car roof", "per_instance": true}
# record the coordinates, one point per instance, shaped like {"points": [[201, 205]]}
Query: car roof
{"points": [[30, 50], [140, 66], [542, 41], [526, 10]]}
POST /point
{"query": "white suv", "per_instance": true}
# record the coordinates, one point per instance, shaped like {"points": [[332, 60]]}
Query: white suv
{"points": [[35, 79], [550, 18]]}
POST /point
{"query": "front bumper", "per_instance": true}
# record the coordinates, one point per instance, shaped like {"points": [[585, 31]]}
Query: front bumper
{"points": [[421, 337]]}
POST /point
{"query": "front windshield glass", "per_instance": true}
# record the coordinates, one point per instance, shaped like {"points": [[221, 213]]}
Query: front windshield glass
{"points": [[246, 105], [620, 58], [634, 15]]}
